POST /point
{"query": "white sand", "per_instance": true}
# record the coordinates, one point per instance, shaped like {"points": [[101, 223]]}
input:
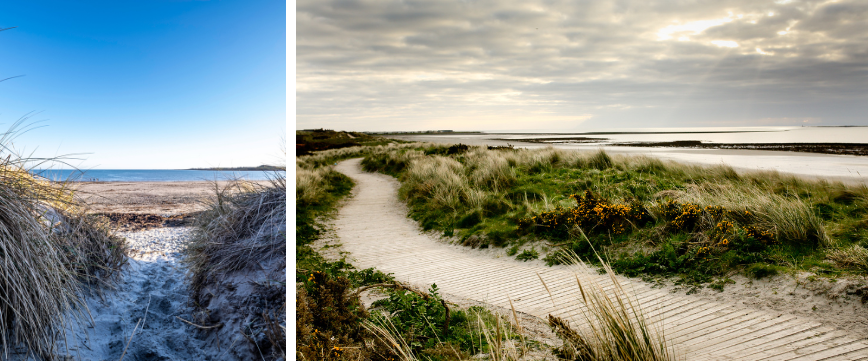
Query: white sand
{"points": [[163, 198], [152, 282]]}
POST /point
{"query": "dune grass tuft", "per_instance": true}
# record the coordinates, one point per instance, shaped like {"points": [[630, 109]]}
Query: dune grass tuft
{"points": [[243, 229], [613, 326], [245, 223], [50, 252], [854, 257]]}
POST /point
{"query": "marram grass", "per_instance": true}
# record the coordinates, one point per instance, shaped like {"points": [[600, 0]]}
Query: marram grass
{"points": [[244, 223], [612, 325], [50, 254]]}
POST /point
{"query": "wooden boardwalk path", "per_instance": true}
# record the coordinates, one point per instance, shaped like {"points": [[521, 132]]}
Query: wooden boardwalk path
{"points": [[374, 228]]}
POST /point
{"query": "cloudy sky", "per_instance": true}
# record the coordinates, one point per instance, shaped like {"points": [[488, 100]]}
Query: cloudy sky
{"points": [[579, 65]]}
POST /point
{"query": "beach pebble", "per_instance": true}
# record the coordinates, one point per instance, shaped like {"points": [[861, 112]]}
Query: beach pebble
{"points": [[166, 243]]}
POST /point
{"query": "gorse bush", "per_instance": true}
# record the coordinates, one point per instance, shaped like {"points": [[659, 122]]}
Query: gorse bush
{"points": [[788, 217], [592, 213]]}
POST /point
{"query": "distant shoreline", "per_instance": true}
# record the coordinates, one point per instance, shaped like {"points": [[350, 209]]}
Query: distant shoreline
{"points": [[860, 149], [242, 169], [824, 148]]}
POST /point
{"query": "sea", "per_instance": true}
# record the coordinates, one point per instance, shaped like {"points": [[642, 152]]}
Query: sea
{"points": [[152, 175], [847, 168]]}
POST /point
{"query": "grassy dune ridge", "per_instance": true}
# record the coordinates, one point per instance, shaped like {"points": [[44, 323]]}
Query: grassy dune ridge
{"points": [[649, 217]]}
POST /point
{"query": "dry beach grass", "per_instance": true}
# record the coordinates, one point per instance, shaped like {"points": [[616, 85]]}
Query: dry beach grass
{"points": [[237, 261], [50, 252]]}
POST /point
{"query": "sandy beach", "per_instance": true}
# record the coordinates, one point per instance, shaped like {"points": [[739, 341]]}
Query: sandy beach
{"points": [[160, 198]]}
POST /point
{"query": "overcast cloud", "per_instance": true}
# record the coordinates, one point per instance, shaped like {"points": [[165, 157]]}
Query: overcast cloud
{"points": [[575, 65]]}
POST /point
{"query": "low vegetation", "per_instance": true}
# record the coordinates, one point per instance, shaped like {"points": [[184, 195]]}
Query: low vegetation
{"points": [[309, 141], [646, 216], [410, 324]]}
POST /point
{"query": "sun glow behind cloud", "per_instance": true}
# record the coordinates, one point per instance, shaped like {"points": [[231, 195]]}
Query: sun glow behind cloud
{"points": [[693, 27], [725, 43]]}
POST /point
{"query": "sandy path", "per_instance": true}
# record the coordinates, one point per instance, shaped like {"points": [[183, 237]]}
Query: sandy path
{"points": [[374, 229], [153, 282], [150, 294]]}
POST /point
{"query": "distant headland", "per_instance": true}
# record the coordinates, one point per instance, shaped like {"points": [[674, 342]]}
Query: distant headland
{"points": [[243, 169]]}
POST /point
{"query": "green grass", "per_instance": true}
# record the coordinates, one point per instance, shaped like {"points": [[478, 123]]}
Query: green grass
{"points": [[649, 217]]}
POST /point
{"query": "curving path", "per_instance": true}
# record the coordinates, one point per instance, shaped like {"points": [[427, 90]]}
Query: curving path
{"points": [[374, 228]]}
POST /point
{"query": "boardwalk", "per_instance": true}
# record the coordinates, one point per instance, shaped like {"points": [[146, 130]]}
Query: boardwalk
{"points": [[373, 227]]}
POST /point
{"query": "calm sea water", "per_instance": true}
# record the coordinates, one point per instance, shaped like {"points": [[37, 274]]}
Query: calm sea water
{"points": [[151, 175]]}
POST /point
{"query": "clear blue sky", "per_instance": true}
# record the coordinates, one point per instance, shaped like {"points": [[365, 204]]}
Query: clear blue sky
{"points": [[147, 84]]}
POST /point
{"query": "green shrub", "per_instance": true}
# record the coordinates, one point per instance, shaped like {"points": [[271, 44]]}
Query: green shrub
{"points": [[761, 270], [425, 323], [600, 161], [470, 219], [527, 255]]}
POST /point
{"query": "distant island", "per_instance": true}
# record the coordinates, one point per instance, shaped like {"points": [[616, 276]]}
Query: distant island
{"points": [[260, 168]]}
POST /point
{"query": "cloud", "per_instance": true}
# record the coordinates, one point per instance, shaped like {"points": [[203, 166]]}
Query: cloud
{"points": [[373, 65]]}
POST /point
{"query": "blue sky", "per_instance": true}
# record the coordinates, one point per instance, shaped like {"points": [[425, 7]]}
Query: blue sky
{"points": [[146, 84]]}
